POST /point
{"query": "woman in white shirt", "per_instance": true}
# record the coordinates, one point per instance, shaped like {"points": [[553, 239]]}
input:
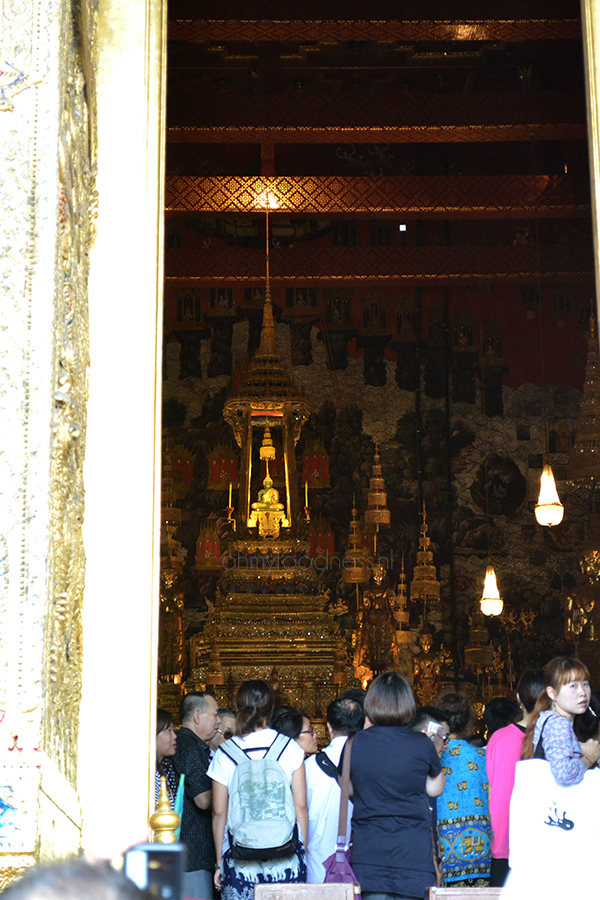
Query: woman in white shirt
{"points": [[235, 877]]}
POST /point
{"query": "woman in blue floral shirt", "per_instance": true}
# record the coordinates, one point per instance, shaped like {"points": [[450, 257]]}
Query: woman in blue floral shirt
{"points": [[462, 809]]}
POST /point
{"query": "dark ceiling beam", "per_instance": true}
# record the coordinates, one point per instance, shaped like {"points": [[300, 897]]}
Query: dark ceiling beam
{"points": [[305, 265], [440, 197], [329, 30], [191, 104]]}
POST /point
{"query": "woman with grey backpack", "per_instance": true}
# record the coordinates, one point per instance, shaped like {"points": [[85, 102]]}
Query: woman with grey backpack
{"points": [[260, 818]]}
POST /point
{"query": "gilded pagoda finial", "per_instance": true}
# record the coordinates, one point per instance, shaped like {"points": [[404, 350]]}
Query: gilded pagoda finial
{"points": [[267, 335], [585, 453], [377, 512], [354, 570]]}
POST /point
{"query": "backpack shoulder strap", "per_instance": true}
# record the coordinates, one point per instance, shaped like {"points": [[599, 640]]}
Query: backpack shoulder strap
{"points": [[277, 747], [539, 752], [233, 751], [326, 765]]}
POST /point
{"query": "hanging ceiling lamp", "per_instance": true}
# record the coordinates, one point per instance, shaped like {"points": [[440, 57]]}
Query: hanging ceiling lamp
{"points": [[549, 510], [491, 602]]}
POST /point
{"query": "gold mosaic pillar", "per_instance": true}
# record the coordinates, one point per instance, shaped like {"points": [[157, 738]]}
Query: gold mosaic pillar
{"points": [[590, 21], [77, 647], [47, 199]]}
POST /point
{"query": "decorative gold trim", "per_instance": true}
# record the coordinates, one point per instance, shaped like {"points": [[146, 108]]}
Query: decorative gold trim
{"points": [[442, 196], [364, 134], [329, 30]]}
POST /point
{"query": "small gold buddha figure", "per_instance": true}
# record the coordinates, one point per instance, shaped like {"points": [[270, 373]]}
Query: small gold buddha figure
{"points": [[377, 648], [426, 671], [267, 512]]}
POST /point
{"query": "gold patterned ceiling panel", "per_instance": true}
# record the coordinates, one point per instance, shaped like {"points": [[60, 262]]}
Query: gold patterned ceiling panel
{"points": [[422, 134], [432, 196], [329, 30], [303, 263]]}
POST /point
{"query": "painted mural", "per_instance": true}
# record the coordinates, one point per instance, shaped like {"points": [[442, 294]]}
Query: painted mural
{"points": [[467, 391]]}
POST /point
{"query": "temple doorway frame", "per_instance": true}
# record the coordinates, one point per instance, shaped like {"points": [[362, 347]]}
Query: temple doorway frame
{"points": [[125, 337], [122, 467]]}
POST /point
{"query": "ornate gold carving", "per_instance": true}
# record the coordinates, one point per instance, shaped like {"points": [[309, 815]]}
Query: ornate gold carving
{"points": [[13, 866], [456, 195], [66, 558]]}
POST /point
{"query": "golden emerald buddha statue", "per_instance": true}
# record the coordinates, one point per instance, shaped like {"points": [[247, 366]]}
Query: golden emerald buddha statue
{"points": [[267, 512]]}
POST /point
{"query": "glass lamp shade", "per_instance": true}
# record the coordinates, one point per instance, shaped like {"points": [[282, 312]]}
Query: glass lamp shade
{"points": [[491, 603], [549, 510]]}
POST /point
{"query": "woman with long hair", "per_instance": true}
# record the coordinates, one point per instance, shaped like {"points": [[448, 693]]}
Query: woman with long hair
{"points": [[393, 770], [550, 733], [501, 757], [236, 877], [166, 745]]}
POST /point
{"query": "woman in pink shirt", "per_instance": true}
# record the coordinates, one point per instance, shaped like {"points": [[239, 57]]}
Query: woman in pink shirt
{"points": [[502, 755]]}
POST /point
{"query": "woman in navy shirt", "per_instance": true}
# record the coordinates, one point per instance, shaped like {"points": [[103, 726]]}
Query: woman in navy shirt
{"points": [[393, 770]]}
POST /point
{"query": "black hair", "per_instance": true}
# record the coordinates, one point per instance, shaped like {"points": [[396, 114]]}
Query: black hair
{"points": [[287, 720], [357, 694], [164, 720], [254, 706], [500, 712], [390, 700], [72, 880], [530, 686], [587, 724], [427, 714], [346, 715], [457, 711], [192, 701]]}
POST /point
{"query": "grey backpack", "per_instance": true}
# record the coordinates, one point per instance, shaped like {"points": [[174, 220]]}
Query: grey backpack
{"points": [[261, 816]]}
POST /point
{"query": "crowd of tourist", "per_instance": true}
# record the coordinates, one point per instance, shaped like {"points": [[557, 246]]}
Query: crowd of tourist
{"points": [[430, 798], [433, 801]]}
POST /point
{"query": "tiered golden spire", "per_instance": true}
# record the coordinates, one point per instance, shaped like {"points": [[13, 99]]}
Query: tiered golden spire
{"points": [[584, 462], [424, 585], [479, 653], [401, 613], [267, 376], [215, 676], [354, 569], [377, 512]]}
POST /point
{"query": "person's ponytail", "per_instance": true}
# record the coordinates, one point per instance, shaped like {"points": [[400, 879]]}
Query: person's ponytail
{"points": [[254, 706], [543, 703]]}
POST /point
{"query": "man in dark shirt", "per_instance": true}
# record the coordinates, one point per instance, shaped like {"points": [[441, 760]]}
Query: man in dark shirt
{"points": [[199, 723]]}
